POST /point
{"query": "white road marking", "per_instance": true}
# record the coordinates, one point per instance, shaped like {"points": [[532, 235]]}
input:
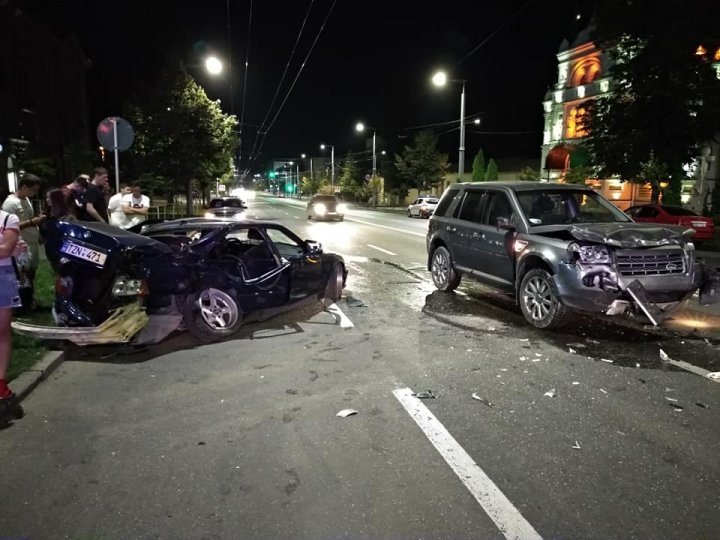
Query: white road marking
{"points": [[495, 504], [394, 229], [381, 249], [689, 367], [345, 322], [355, 258]]}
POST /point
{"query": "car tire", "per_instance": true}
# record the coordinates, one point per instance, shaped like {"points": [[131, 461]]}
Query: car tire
{"points": [[409, 213], [211, 315], [334, 286], [539, 300], [309, 218], [341, 218], [443, 273]]}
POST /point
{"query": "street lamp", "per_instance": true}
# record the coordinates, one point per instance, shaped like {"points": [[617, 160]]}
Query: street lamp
{"points": [[360, 127], [213, 65], [440, 79], [332, 164]]}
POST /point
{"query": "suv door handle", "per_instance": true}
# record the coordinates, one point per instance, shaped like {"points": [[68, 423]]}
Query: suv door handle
{"points": [[451, 229]]}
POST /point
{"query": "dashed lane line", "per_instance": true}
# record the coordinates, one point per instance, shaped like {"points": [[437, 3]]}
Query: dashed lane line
{"points": [[493, 501], [381, 249]]}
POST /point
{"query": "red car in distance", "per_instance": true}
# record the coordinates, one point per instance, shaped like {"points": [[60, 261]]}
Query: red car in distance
{"points": [[674, 215]]}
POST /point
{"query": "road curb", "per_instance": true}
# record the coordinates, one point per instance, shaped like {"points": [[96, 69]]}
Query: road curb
{"points": [[24, 384]]}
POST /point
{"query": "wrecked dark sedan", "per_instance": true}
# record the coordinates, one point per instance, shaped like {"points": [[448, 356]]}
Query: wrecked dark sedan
{"points": [[208, 276], [560, 248]]}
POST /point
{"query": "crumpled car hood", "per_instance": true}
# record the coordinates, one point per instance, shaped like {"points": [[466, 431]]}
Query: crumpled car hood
{"points": [[632, 235]]}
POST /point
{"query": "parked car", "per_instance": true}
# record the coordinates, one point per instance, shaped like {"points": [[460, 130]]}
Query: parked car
{"points": [[674, 215], [422, 207], [559, 248], [210, 275], [226, 207], [326, 207]]}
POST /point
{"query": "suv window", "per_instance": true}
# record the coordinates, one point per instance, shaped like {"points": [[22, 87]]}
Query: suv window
{"points": [[471, 207], [446, 200], [498, 206]]}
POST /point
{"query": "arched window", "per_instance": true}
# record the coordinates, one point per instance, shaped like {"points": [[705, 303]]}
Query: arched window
{"points": [[576, 116], [585, 72]]}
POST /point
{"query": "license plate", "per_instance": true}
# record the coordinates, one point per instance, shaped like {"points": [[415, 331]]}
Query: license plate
{"points": [[81, 252], [699, 224]]}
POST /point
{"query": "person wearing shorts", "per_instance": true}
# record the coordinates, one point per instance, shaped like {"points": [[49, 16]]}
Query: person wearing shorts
{"points": [[10, 245]]}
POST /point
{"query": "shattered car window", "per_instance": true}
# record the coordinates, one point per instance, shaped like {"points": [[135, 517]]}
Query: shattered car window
{"points": [[563, 207], [286, 246]]}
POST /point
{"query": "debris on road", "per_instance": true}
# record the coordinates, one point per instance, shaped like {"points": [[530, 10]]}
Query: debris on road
{"points": [[354, 302], [669, 389], [577, 345], [575, 383], [676, 406], [664, 356], [715, 376], [592, 341], [550, 393], [603, 391], [523, 358], [571, 350], [346, 412], [428, 394], [482, 400], [607, 361], [538, 354], [702, 405], [524, 339], [671, 399], [576, 446]]}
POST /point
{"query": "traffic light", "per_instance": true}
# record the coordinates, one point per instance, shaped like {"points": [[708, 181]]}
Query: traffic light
{"points": [[289, 187], [271, 175]]}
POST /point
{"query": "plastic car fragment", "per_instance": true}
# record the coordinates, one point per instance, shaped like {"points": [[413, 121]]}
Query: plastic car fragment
{"points": [[576, 446], [427, 394], [354, 302], [346, 412], [482, 400], [550, 393]]}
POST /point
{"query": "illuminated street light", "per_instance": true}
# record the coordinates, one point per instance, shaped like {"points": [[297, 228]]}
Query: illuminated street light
{"points": [[332, 164], [360, 127], [213, 65], [440, 79]]}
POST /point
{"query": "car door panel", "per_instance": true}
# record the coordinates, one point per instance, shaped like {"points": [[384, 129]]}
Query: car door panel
{"points": [[492, 245]]}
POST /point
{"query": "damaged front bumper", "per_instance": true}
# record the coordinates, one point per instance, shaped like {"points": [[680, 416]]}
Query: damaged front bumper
{"points": [[600, 289], [120, 327]]}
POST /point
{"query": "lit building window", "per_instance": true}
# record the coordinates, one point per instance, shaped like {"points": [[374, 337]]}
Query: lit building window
{"points": [[546, 136], [716, 56], [548, 106], [700, 51], [581, 91], [558, 97], [585, 72], [604, 86], [576, 117]]}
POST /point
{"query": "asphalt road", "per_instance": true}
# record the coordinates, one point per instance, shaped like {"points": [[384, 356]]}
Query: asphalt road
{"points": [[590, 434]]}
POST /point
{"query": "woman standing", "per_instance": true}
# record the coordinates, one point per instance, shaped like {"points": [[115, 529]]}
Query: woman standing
{"points": [[9, 299]]}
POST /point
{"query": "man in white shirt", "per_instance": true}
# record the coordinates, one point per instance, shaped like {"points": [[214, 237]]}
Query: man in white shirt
{"points": [[116, 213], [136, 205], [18, 203]]}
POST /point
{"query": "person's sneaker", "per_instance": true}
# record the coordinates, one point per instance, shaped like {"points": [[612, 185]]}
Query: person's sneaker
{"points": [[5, 392]]}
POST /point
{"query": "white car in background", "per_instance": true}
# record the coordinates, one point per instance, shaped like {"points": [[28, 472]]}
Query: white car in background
{"points": [[422, 207]]}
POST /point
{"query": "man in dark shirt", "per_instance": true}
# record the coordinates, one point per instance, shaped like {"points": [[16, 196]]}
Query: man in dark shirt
{"points": [[95, 201]]}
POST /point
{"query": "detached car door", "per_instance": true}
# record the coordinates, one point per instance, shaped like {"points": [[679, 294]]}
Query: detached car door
{"points": [[306, 271]]}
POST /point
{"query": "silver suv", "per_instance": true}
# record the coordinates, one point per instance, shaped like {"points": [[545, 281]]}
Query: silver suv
{"points": [[560, 247]]}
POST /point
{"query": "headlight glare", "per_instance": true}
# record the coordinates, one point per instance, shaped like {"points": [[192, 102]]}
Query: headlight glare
{"points": [[341, 208], [320, 209], [209, 215]]}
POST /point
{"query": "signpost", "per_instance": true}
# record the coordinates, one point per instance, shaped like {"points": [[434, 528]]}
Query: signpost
{"points": [[116, 134]]}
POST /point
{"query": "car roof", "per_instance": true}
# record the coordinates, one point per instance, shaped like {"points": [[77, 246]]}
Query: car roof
{"points": [[520, 185], [207, 223]]}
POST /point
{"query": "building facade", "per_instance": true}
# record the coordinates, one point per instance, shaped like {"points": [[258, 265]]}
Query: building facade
{"points": [[583, 75]]}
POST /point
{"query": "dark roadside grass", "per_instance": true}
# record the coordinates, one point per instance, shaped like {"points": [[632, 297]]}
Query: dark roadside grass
{"points": [[28, 351]]}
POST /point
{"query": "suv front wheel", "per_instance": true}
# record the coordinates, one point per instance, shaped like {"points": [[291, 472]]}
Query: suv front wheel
{"points": [[444, 275], [539, 301]]}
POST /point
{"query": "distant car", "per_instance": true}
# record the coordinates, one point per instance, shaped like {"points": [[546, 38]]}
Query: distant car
{"points": [[225, 207], [674, 215], [326, 207], [422, 207]]}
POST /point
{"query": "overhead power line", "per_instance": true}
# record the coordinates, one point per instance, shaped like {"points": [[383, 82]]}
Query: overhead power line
{"points": [[247, 63]]}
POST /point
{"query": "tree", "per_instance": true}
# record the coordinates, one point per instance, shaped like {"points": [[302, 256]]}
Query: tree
{"points": [[349, 182], [478, 167], [422, 165], [665, 98], [528, 174], [180, 134], [578, 175], [315, 184], [492, 170]]}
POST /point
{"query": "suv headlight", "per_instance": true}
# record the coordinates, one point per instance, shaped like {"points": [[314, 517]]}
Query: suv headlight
{"points": [[320, 209], [594, 254], [341, 208]]}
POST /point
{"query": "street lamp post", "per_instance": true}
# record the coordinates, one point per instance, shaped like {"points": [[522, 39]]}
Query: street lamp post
{"points": [[332, 164], [360, 127], [440, 79]]}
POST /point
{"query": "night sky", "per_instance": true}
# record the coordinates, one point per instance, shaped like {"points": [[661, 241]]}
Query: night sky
{"points": [[372, 62]]}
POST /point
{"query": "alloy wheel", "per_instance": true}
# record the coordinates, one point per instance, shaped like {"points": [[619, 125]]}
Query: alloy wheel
{"points": [[218, 309], [538, 298]]}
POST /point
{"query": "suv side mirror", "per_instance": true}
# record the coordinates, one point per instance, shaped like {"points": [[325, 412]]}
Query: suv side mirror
{"points": [[313, 246], [504, 224]]}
